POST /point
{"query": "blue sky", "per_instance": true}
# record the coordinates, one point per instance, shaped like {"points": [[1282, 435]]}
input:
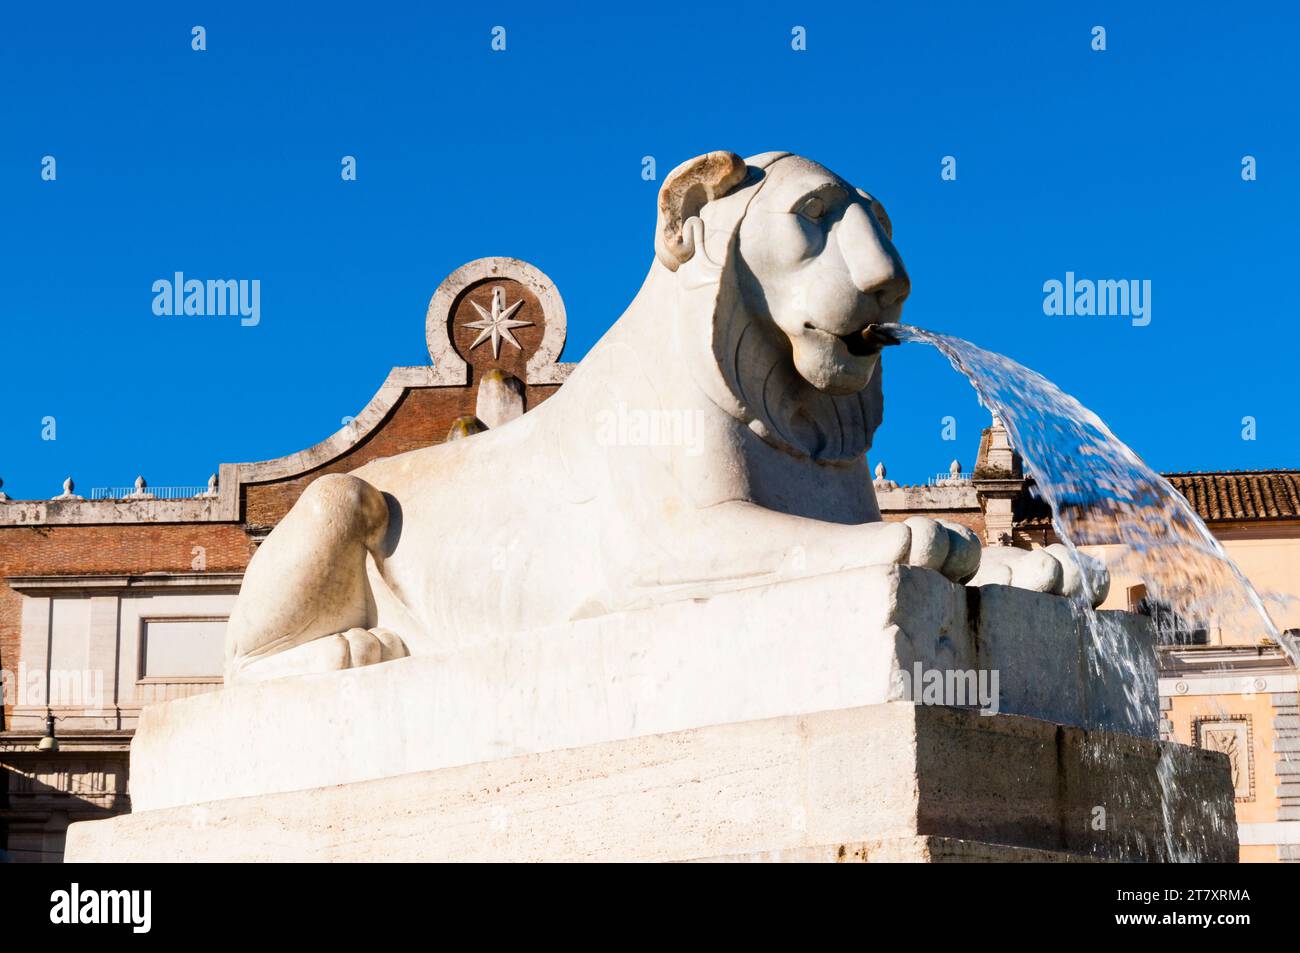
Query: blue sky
{"points": [[225, 163]]}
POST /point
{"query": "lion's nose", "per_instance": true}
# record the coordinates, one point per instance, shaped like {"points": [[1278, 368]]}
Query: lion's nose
{"points": [[894, 289], [873, 261]]}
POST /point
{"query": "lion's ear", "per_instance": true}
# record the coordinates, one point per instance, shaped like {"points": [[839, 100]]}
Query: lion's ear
{"points": [[688, 188]]}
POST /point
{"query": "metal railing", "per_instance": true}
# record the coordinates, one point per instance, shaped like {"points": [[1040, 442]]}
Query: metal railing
{"points": [[158, 492]]}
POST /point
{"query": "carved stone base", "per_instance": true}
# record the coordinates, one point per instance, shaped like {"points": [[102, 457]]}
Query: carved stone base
{"points": [[771, 649], [885, 782]]}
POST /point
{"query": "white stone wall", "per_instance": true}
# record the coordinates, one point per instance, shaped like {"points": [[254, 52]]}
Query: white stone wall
{"points": [[97, 649]]}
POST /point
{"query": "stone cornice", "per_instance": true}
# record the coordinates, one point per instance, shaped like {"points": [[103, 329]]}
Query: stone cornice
{"points": [[1219, 659], [907, 498], [51, 585], [224, 507], [371, 417], [18, 747]]}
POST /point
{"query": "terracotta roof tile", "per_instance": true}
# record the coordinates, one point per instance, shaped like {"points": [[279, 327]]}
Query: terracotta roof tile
{"points": [[1241, 494], [1215, 496]]}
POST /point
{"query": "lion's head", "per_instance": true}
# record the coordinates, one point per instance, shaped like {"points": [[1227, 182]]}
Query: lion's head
{"points": [[795, 263]]}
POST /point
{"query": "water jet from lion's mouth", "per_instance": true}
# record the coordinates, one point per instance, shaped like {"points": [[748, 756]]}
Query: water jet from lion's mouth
{"points": [[1102, 494]]}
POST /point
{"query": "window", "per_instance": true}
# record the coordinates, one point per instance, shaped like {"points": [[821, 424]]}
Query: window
{"points": [[182, 648]]}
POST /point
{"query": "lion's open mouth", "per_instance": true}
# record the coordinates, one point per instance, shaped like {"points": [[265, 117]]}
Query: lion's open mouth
{"points": [[853, 342], [858, 345]]}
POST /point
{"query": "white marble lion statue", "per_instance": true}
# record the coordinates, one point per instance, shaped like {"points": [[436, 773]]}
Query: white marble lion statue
{"points": [[749, 330]]}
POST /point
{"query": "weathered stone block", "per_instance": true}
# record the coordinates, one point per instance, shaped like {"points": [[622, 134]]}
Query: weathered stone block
{"points": [[883, 782]]}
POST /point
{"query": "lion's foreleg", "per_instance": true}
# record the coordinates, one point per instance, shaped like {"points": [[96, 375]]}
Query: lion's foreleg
{"points": [[308, 581], [743, 540]]}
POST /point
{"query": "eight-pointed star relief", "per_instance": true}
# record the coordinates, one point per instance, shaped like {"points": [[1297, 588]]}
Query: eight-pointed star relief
{"points": [[498, 324]]}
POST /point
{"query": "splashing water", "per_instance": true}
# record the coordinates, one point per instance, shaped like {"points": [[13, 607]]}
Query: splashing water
{"points": [[1102, 494]]}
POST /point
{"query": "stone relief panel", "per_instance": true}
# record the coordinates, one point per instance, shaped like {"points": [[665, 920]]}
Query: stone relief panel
{"points": [[1233, 737]]}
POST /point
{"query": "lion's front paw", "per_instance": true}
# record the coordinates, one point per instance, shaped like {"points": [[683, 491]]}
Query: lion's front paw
{"points": [[949, 548], [1081, 576], [1053, 570], [354, 648], [370, 646]]}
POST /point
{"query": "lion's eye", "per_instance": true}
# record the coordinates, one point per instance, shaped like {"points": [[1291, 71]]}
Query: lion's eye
{"points": [[813, 209]]}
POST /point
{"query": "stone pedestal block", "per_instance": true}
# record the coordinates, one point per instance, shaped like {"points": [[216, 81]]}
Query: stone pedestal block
{"points": [[890, 782], [840, 640]]}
